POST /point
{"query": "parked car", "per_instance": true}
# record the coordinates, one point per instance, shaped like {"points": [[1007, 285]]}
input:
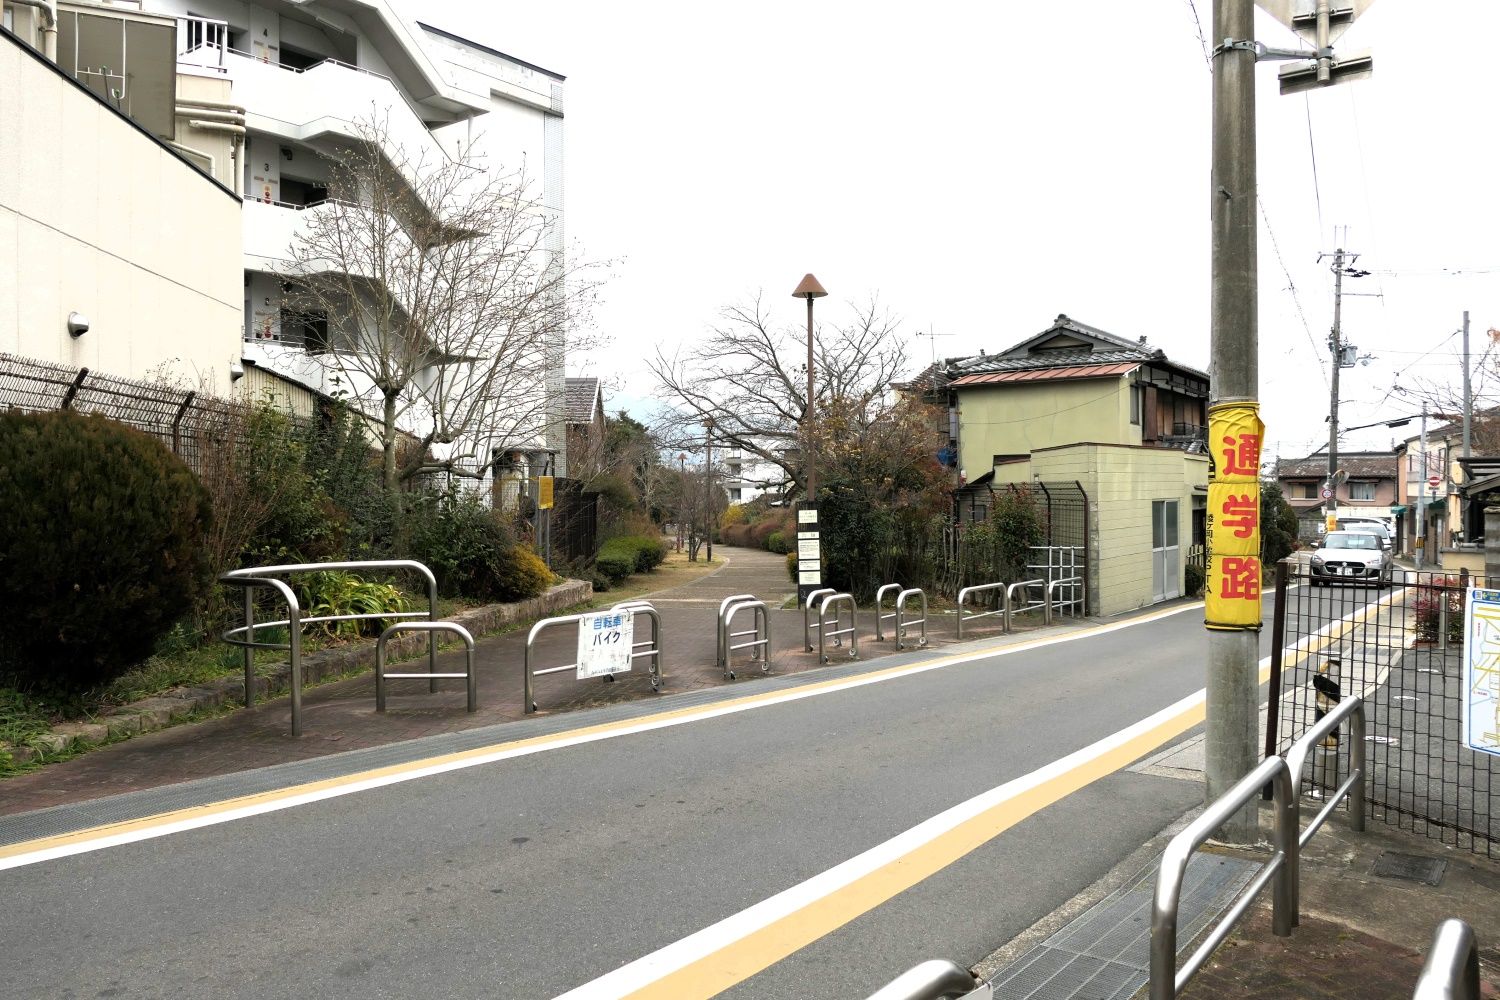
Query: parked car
{"points": [[1351, 557]]}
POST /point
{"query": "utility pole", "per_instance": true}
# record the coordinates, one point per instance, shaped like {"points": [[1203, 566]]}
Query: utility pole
{"points": [[708, 479], [1232, 717], [1463, 523], [1330, 521], [1422, 495]]}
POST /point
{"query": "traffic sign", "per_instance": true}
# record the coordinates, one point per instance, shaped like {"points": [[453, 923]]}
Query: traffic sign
{"points": [[1327, 493], [1433, 482]]}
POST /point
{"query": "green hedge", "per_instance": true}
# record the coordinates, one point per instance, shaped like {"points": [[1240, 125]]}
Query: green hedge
{"points": [[620, 557]]}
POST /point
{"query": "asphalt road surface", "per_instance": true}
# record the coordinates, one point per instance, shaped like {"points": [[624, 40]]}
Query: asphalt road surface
{"points": [[808, 840]]}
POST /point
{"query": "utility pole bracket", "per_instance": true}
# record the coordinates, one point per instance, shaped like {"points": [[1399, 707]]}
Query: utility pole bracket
{"points": [[1262, 53]]}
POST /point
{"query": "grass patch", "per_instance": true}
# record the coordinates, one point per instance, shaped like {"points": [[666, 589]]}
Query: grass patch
{"points": [[21, 717]]}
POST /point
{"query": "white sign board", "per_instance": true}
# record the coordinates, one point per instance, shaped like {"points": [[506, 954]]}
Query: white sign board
{"points": [[807, 517], [807, 549], [605, 642], [1481, 725]]}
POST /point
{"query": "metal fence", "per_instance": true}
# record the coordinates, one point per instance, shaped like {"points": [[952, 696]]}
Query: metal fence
{"points": [[1400, 647]]}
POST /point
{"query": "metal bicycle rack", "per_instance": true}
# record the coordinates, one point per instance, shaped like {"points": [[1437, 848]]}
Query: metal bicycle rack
{"points": [[456, 629], [834, 600], [723, 605], [903, 623], [265, 576], [1011, 608], [653, 650], [1451, 971], [1052, 603], [935, 979], [881, 614], [982, 588], [807, 625], [761, 630]]}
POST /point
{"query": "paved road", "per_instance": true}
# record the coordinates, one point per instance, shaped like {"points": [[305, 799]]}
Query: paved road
{"points": [[537, 875]]}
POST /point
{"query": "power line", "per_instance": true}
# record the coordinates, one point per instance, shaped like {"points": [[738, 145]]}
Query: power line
{"points": [[1292, 287], [1202, 41], [1312, 150]]}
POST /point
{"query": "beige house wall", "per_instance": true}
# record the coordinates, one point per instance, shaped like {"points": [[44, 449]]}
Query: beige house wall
{"points": [[100, 219], [1015, 418]]}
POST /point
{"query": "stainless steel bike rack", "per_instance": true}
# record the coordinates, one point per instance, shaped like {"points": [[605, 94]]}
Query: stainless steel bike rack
{"points": [[807, 625], [902, 622], [834, 600], [1451, 971], [725, 603], [880, 613], [528, 705], [264, 576], [934, 980], [761, 630], [1070, 581], [1010, 601], [982, 588], [1166, 978], [1353, 787], [456, 629]]}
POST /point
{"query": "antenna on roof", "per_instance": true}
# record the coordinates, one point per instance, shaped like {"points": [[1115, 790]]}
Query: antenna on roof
{"points": [[932, 340]]}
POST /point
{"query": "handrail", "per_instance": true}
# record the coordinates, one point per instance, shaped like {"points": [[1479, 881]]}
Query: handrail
{"points": [[880, 616], [528, 704], [726, 602], [936, 979], [293, 645], [835, 600], [760, 629], [901, 620], [432, 678], [807, 626], [978, 589], [1166, 978], [1067, 581], [1451, 971], [1010, 606], [1353, 786]]}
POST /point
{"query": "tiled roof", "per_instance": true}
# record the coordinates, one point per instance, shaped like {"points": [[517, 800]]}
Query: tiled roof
{"points": [[1361, 465], [580, 398], [985, 364], [1049, 374]]}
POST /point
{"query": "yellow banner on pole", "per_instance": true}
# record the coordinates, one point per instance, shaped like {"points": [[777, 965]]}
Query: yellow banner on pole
{"points": [[543, 492], [1232, 520]]}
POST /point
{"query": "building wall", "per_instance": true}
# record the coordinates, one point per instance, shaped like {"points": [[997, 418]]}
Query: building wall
{"points": [[98, 218], [1020, 417]]}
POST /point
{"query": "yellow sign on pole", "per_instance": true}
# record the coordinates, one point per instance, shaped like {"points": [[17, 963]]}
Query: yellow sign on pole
{"points": [[543, 492], [1232, 521]]}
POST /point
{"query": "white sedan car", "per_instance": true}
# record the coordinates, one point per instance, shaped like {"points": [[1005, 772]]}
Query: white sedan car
{"points": [[1351, 557]]}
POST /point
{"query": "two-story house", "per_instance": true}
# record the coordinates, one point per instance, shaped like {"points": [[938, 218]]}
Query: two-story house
{"points": [[1075, 404], [1367, 488]]}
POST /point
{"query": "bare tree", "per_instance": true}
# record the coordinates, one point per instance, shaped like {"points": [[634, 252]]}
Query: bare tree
{"points": [[439, 295], [749, 377]]}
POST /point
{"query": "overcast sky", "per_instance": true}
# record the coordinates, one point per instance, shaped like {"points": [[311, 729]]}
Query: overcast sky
{"points": [[984, 167]]}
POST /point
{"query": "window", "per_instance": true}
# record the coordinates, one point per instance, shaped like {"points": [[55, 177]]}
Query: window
{"points": [[1136, 395], [734, 496], [1304, 491], [307, 328], [1361, 491]]}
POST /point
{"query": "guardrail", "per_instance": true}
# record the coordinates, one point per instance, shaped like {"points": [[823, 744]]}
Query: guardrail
{"points": [[1353, 787], [468, 675], [1451, 971], [1072, 602], [982, 588], [834, 600], [902, 622], [264, 576], [807, 625], [633, 607], [934, 980], [761, 630], [1166, 978], [881, 614], [1010, 600]]}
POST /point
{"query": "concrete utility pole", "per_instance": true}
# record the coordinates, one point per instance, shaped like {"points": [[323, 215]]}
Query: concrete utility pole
{"points": [[1232, 716], [1422, 494], [1468, 397], [1334, 345]]}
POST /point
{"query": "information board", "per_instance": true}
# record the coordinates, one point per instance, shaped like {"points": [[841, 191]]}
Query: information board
{"points": [[605, 642], [809, 553], [1481, 726]]}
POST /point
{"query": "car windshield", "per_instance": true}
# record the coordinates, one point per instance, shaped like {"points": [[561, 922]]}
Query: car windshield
{"points": [[1351, 540]]}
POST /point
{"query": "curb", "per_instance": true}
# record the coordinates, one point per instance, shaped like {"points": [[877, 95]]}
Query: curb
{"points": [[179, 704]]}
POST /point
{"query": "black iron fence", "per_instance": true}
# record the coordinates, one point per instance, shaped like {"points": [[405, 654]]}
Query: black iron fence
{"points": [[1401, 646]]}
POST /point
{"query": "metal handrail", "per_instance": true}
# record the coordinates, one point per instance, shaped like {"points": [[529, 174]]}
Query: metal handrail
{"points": [[807, 625], [1353, 786], [528, 704], [1067, 581], [979, 589], [761, 630], [936, 979], [1010, 602], [835, 600], [880, 615], [1166, 978], [902, 621], [293, 645], [726, 602], [432, 678], [1451, 971]]}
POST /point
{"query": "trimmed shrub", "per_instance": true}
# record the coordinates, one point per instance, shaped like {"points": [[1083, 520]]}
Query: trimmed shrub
{"points": [[736, 534], [615, 563], [760, 534], [777, 543], [791, 566], [735, 513], [520, 573], [462, 541], [638, 553], [1193, 580], [102, 548]]}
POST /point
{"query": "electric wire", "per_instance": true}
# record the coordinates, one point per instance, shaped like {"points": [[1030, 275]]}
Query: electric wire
{"points": [[1312, 151], [1292, 288]]}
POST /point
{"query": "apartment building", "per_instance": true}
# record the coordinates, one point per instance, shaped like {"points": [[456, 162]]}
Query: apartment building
{"points": [[264, 96]]}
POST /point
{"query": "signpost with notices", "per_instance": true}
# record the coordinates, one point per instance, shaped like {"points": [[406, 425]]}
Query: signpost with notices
{"points": [[809, 553], [1481, 689], [606, 641]]}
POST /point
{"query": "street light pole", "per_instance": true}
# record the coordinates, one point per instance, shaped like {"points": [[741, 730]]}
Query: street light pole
{"points": [[682, 494], [809, 289], [708, 479]]}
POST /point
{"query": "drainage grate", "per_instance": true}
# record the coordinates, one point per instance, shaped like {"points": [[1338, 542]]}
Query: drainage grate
{"points": [[1410, 867], [1105, 953]]}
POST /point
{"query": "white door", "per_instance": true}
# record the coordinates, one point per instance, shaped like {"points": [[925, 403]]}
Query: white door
{"points": [[1166, 556]]}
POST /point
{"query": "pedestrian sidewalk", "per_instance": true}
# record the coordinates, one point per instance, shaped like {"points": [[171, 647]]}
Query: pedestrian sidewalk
{"points": [[341, 716]]}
